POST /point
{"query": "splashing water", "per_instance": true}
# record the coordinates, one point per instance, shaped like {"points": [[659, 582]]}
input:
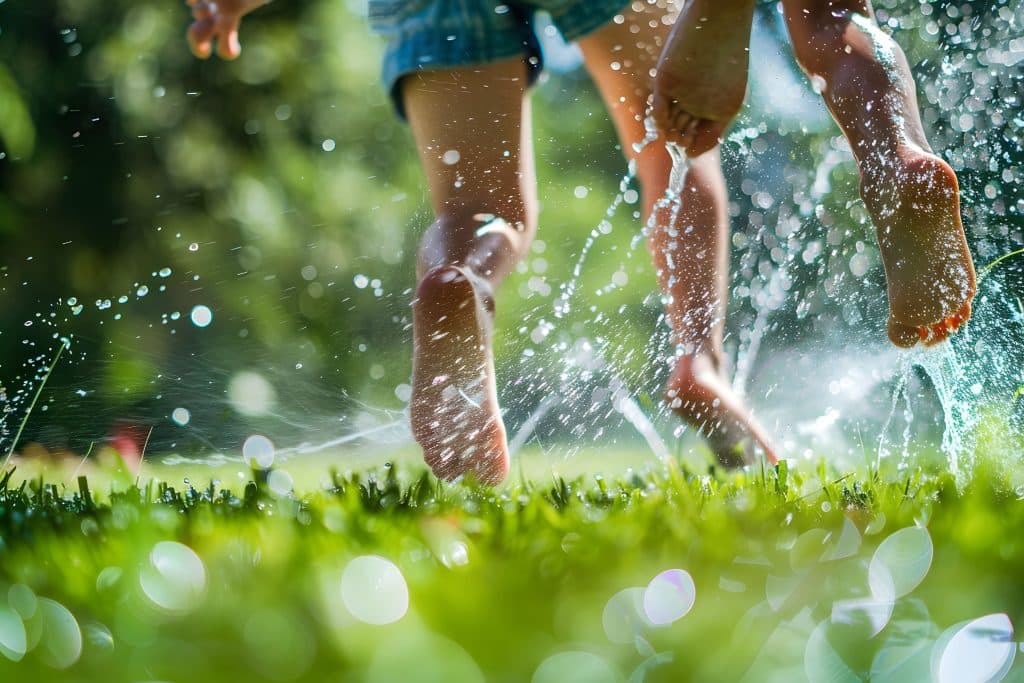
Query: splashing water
{"points": [[563, 304], [976, 379], [588, 359]]}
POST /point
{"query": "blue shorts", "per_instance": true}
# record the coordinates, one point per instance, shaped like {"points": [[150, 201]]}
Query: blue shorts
{"points": [[444, 34]]}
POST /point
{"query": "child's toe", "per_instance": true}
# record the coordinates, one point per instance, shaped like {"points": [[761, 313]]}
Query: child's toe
{"points": [[902, 335], [937, 334]]}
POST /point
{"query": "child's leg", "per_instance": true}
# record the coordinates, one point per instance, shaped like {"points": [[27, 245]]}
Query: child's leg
{"points": [[472, 130], [691, 255], [911, 194]]}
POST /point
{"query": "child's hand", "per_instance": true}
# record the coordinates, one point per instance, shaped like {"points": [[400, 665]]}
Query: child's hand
{"points": [[218, 19]]}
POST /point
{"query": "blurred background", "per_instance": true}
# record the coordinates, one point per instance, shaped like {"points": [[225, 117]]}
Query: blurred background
{"points": [[227, 248]]}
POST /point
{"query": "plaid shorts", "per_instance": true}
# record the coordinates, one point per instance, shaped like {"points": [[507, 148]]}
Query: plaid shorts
{"points": [[444, 34]]}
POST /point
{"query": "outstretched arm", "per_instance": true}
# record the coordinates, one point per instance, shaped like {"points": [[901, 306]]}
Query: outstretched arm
{"points": [[218, 19]]}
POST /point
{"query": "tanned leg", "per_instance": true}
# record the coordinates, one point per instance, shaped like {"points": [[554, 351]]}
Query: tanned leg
{"points": [[691, 252], [472, 130], [911, 194]]}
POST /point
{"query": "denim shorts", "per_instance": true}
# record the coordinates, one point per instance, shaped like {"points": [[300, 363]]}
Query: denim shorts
{"points": [[444, 34]]}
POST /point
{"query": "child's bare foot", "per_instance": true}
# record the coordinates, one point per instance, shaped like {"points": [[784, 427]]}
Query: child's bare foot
{"points": [[702, 76], [454, 408], [699, 394], [915, 204]]}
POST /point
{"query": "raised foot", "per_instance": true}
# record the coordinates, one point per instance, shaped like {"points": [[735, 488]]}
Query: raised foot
{"points": [[454, 408], [701, 79], [699, 395], [914, 200]]}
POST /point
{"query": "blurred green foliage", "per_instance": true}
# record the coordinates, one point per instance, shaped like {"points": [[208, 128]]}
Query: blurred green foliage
{"points": [[269, 184]]}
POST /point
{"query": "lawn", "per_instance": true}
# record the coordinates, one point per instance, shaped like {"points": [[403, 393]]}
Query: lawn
{"points": [[651, 574]]}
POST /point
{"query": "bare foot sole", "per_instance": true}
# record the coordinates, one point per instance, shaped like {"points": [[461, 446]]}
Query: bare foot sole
{"points": [[454, 407], [702, 76], [915, 204], [699, 395]]}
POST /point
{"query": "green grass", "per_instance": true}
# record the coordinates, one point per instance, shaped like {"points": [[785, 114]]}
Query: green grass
{"points": [[499, 582]]}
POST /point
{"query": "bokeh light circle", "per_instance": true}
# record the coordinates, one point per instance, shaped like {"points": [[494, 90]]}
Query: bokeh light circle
{"points": [[574, 667], [258, 451], [374, 590], [669, 597], [900, 563], [174, 578], [201, 316]]}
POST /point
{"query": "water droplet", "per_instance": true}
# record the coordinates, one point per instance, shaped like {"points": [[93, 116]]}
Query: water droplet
{"points": [[201, 316], [165, 272], [142, 291], [361, 281], [193, 247], [181, 416]]}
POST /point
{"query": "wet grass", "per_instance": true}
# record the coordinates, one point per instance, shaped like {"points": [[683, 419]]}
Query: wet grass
{"points": [[507, 585]]}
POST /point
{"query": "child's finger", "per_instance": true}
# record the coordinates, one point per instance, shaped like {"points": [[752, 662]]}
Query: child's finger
{"points": [[200, 38], [228, 46], [683, 122], [667, 119], [200, 9]]}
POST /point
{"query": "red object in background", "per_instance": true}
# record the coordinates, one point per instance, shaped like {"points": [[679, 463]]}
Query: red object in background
{"points": [[129, 440]]}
